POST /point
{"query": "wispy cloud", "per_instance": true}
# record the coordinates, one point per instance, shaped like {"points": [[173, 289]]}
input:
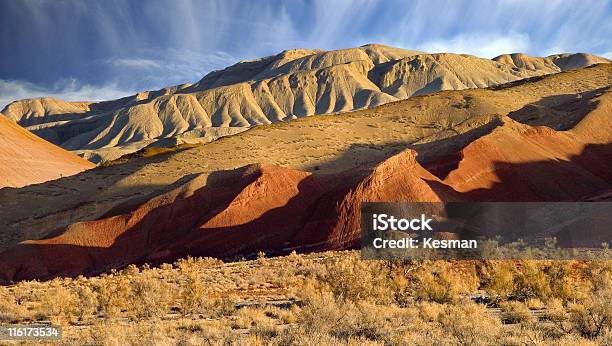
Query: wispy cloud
{"points": [[134, 63], [68, 90], [157, 43], [152, 70], [487, 46], [607, 55], [160, 68]]}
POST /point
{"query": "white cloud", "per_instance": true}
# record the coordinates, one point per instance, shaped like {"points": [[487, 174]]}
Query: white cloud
{"points": [[154, 46], [153, 69], [194, 64], [488, 46], [158, 69], [135, 63], [607, 55], [68, 90]]}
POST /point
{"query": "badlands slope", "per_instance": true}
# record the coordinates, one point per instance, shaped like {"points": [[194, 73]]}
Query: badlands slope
{"points": [[27, 159], [298, 185], [293, 84]]}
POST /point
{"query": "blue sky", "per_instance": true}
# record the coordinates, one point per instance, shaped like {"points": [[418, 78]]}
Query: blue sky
{"points": [[94, 50]]}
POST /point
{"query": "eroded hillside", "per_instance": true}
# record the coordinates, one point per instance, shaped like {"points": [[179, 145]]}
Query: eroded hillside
{"points": [[545, 139], [287, 86]]}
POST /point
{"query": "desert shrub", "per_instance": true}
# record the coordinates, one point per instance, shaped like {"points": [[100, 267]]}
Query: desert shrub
{"points": [[363, 321], [58, 303], [130, 270], [516, 312], [561, 281], [593, 317], [526, 334], [600, 273], [113, 295], [22, 293], [260, 324], [605, 339], [87, 302], [558, 315], [285, 316], [353, 279], [144, 334], [290, 316], [497, 278], [323, 313], [186, 264], [531, 281], [105, 333], [245, 317], [285, 278], [11, 309], [192, 294], [219, 305], [191, 327], [535, 304], [341, 300], [527, 279], [470, 324], [151, 296], [190, 263], [210, 333], [443, 284], [299, 336], [565, 282], [261, 257], [429, 311], [114, 333], [573, 340], [165, 266]]}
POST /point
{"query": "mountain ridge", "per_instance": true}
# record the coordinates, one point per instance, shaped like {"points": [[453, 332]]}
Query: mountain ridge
{"points": [[282, 87], [435, 125]]}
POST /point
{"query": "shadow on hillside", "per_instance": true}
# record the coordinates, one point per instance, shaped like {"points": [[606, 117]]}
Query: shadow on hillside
{"points": [[370, 154], [84, 196], [170, 231], [583, 176], [76, 196], [559, 112], [308, 221]]}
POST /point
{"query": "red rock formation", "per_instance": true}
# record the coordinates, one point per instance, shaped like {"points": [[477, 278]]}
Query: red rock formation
{"points": [[271, 208], [27, 159], [229, 213], [516, 162]]}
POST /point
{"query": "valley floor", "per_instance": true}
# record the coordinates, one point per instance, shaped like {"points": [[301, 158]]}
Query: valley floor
{"points": [[326, 299]]}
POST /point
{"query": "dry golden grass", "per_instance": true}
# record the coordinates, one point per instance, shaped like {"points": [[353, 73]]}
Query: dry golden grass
{"points": [[327, 299]]}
